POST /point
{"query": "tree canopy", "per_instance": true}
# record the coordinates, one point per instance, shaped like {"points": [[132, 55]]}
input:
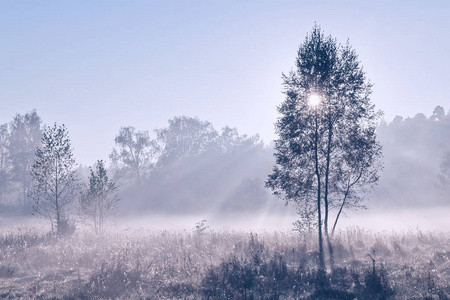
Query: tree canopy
{"points": [[55, 180], [134, 152], [98, 200], [326, 152]]}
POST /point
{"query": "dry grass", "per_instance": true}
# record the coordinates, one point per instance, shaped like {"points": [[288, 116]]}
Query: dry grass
{"points": [[221, 265]]}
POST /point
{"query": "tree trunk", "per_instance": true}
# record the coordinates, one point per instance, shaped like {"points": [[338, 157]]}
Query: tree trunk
{"points": [[322, 270], [327, 176], [57, 208]]}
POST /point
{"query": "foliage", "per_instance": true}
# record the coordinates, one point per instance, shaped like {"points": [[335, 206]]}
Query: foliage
{"points": [[134, 152], [184, 138], [25, 136], [55, 181], [211, 169], [444, 175], [414, 148], [326, 152], [18, 141], [98, 201], [5, 163]]}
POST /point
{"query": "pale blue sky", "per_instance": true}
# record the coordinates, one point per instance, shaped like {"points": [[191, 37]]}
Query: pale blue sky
{"points": [[99, 65]]}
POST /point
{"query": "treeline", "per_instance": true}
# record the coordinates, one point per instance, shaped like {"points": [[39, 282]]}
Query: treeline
{"points": [[188, 166], [414, 150], [191, 167]]}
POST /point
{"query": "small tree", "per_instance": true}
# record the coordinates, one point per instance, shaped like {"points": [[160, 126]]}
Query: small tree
{"points": [[54, 177], [327, 153], [98, 201]]}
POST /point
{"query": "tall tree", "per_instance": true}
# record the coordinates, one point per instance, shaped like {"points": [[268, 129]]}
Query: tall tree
{"points": [[25, 136], [54, 176], [134, 153], [326, 152], [98, 201]]}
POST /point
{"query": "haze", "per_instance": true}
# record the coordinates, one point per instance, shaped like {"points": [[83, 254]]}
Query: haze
{"points": [[142, 155]]}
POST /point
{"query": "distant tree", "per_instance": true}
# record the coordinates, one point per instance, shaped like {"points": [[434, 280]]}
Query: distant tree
{"points": [[25, 136], [205, 165], [135, 152], [438, 113], [398, 120], [420, 117], [326, 152], [54, 176], [444, 176], [413, 150], [98, 201], [5, 163], [186, 137], [190, 138], [231, 141]]}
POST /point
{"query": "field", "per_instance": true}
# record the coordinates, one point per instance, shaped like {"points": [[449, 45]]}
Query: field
{"points": [[201, 263]]}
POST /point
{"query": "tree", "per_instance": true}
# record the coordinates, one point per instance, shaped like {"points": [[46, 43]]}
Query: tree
{"points": [[204, 164], [54, 177], [186, 138], [135, 151], [327, 155], [25, 136], [5, 162], [444, 176], [438, 113], [230, 141], [98, 201]]}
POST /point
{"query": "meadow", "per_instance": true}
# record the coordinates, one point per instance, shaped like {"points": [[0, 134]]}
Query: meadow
{"points": [[202, 263]]}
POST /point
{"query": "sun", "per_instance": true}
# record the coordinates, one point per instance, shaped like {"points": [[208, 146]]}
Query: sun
{"points": [[314, 100]]}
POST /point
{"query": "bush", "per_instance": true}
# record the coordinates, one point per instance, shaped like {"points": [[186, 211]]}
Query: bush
{"points": [[256, 278]]}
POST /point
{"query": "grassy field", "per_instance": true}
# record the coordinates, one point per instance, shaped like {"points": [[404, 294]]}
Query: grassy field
{"points": [[209, 264]]}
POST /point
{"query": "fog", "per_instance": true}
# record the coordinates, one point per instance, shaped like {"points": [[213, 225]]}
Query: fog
{"points": [[208, 150], [375, 220], [192, 171], [194, 217]]}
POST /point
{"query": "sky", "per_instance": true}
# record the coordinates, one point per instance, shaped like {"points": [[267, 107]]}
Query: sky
{"points": [[98, 65]]}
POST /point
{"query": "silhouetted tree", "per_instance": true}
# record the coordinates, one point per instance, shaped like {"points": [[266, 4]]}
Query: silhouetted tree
{"points": [[54, 176], [135, 152], [98, 201], [326, 151], [25, 136]]}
